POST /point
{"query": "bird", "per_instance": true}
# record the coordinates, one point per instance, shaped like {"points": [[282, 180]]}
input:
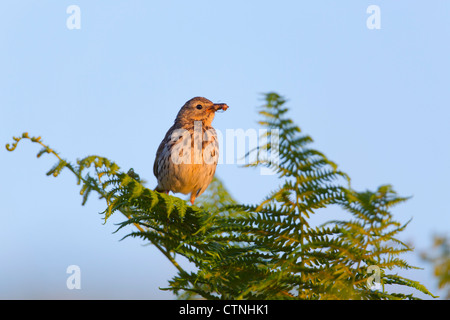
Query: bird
{"points": [[186, 158]]}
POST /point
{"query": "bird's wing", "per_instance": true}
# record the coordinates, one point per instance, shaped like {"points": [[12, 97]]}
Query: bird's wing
{"points": [[160, 151]]}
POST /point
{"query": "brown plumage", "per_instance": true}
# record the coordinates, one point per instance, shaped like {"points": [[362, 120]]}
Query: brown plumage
{"points": [[186, 159]]}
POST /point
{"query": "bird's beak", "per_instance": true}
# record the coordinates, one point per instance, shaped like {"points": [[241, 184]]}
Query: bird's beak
{"points": [[218, 106]]}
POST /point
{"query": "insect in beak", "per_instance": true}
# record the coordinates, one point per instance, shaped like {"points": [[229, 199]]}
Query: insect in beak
{"points": [[218, 106]]}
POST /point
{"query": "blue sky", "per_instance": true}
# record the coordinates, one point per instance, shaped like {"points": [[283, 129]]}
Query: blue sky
{"points": [[375, 101]]}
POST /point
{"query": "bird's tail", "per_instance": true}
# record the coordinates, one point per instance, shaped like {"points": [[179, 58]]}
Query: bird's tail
{"points": [[159, 189]]}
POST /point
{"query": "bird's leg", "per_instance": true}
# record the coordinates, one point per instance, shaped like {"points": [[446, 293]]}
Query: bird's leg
{"points": [[192, 198]]}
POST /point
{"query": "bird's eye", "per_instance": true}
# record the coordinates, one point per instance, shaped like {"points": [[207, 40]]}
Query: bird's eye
{"points": [[199, 106]]}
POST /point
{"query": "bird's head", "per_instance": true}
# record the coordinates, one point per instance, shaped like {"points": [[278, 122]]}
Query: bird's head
{"points": [[199, 109]]}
